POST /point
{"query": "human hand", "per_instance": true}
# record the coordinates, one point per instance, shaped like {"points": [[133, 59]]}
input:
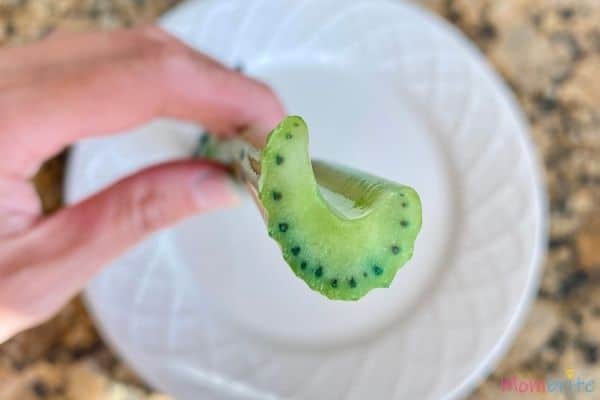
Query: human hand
{"points": [[64, 88]]}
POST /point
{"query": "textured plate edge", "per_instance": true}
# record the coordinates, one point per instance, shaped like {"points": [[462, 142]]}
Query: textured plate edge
{"points": [[487, 365]]}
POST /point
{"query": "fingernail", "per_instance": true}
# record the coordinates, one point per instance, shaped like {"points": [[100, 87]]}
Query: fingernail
{"points": [[214, 189]]}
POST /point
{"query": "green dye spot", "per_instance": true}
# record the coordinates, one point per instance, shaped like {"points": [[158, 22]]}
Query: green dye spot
{"points": [[296, 124], [295, 250], [404, 223], [278, 159], [395, 249], [283, 227], [404, 204], [319, 272], [303, 265], [276, 196], [288, 136], [377, 270], [365, 274], [334, 283], [352, 282]]}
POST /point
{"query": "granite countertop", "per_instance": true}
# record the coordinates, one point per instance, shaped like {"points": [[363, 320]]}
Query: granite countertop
{"points": [[549, 53]]}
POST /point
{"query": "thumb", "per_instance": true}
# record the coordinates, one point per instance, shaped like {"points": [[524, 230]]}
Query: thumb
{"points": [[54, 259]]}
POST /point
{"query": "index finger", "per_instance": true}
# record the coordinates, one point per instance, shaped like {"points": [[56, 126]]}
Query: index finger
{"points": [[118, 90]]}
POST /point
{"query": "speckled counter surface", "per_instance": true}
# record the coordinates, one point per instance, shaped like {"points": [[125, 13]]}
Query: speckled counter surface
{"points": [[549, 53]]}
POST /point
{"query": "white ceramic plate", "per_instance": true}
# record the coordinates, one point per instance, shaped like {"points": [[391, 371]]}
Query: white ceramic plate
{"points": [[209, 310]]}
